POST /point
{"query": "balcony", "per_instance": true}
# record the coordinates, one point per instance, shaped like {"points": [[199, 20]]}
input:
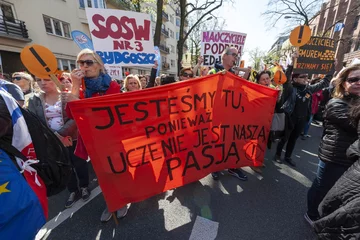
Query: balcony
{"points": [[164, 49], [165, 32], [14, 29], [177, 12], [165, 16], [165, 66]]}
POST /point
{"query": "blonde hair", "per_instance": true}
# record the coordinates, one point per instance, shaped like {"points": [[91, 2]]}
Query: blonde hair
{"points": [[126, 81], [92, 53], [23, 75], [340, 91], [157, 79]]}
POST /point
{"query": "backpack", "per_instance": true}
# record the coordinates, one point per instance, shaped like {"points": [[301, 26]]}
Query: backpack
{"points": [[54, 166]]}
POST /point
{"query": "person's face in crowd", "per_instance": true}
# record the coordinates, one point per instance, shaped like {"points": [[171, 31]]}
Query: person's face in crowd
{"points": [[188, 74], [89, 66], [204, 71], [157, 81], [230, 57], [132, 85], [265, 80], [143, 82], [302, 79], [66, 82], [23, 83], [46, 85], [352, 83]]}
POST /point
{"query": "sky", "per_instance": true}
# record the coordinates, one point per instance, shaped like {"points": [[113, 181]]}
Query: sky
{"points": [[245, 16]]}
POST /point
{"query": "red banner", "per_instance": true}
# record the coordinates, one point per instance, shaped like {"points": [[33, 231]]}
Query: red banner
{"points": [[146, 142]]}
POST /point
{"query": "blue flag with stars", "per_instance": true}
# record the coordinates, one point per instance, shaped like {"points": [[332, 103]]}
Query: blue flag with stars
{"points": [[21, 214]]}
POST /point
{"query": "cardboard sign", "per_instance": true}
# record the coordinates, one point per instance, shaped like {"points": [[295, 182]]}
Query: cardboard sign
{"points": [[82, 40], [39, 60], [316, 57], [300, 36], [145, 142], [213, 43], [121, 37]]}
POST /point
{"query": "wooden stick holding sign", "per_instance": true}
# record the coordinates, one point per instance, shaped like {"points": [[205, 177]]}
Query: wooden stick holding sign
{"points": [[41, 62]]}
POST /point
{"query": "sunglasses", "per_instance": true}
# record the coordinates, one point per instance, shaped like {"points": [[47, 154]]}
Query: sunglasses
{"points": [[188, 75], [353, 79], [232, 54], [17, 78], [87, 62]]}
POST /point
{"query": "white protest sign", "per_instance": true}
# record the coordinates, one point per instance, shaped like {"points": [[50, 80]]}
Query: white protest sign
{"points": [[213, 43], [121, 38]]}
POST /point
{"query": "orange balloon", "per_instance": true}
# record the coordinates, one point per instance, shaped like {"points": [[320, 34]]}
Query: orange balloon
{"points": [[280, 77], [39, 60]]}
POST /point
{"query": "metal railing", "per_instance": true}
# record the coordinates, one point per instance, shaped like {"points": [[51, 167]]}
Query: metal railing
{"points": [[165, 16], [13, 28], [165, 32], [163, 48]]}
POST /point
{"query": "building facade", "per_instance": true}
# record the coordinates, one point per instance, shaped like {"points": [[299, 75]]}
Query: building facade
{"points": [[342, 15], [50, 22]]}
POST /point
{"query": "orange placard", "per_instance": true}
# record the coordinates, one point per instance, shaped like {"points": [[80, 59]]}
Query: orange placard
{"points": [[279, 77], [165, 137], [242, 63], [300, 36], [39, 60]]}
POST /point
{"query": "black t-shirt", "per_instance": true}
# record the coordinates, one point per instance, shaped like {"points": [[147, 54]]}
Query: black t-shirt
{"points": [[6, 130]]}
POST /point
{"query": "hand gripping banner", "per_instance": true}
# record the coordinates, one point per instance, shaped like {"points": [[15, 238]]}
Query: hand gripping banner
{"points": [[146, 142]]}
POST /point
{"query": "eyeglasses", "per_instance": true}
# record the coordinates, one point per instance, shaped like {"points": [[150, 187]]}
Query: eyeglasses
{"points": [[303, 76], [232, 54], [353, 80], [17, 78], [187, 75], [87, 62]]}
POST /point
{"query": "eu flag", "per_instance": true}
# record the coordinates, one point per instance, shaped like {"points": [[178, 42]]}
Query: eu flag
{"points": [[21, 214]]}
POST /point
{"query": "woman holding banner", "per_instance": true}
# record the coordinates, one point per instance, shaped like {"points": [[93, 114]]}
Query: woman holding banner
{"points": [[94, 80]]}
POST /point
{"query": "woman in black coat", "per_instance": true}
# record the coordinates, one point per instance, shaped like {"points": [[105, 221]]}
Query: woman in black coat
{"points": [[337, 137], [340, 209]]}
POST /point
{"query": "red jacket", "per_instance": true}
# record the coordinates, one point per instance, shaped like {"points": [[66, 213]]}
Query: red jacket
{"points": [[316, 99], [80, 149]]}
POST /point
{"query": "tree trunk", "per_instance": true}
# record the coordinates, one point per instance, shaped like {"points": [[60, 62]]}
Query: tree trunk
{"points": [[180, 45], [157, 35]]}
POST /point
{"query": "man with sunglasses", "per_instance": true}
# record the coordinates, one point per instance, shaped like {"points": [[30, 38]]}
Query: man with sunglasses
{"points": [[229, 57], [297, 107]]}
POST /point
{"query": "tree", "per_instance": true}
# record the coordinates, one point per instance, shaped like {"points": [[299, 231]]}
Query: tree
{"points": [[256, 57], [211, 23], [159, 12], [297, 12], [202, 7]]}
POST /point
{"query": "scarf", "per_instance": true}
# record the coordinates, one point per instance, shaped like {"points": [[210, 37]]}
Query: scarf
{"points": [[96, 85]]}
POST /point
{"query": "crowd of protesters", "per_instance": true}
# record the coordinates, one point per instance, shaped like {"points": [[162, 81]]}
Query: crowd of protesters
{"points": [[299, 101]]}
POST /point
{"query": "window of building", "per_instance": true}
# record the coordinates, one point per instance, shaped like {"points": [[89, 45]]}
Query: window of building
{"points": [[66, 65], [172, 19], [7, 12], [172, 49], [56, 27], [163, 59], [178, 22], [177, 36], [172, 63], [92, 3], [171, 33], [356, 22]]}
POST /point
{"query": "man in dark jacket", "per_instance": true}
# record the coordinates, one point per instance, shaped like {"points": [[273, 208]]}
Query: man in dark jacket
{"points": [[229, 57], [297, 107]]}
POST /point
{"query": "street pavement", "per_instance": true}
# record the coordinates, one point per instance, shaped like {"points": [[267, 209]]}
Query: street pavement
{"points": [[268, 206]]}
